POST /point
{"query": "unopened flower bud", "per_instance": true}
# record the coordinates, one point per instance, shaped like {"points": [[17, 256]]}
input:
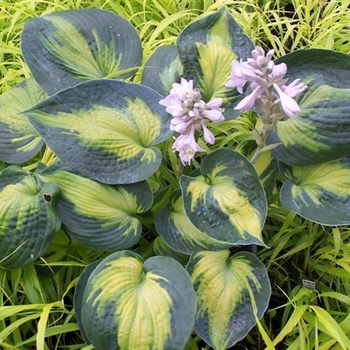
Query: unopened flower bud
{"points": [[194, 95]]}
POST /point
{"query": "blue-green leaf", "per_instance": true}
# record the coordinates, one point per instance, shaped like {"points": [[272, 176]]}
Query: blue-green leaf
{"points": [[162, 69], [67, 47], [162, 248], [11, 175], [19, 141], [320, 193], [232, 292], [267, 168], [97, 215], [105, 129], [131, 304], [79, 292], [28, 220], [176, 229], [227, 202], [206, 48], [321, 132]]}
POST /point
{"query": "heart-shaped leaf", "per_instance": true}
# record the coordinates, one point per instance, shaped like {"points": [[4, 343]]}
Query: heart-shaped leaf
{"points": [[131, 304], [98, 215], [176, 229], [206, 49], [267, 168], [79, 292], [105, 129], [67, 47], [162, 248], [11, 175], [231, 292], [19, 141], [320, 193], [227, 202], [321, 132], [162, 69], [28, 220]]}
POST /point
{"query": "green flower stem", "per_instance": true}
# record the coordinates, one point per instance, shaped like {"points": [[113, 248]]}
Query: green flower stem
{"points": [[261, 142], [256, 155]]}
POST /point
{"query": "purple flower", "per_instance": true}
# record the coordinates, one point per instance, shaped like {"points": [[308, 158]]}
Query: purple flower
{"points": [[248, 102], [278, 72], [190, 113], [294, 88], [241, 73], [290, 106], [187, 146], [270, 92], [208, 135]]}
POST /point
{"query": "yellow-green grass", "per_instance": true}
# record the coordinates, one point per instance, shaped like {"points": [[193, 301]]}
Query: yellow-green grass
{"points": [[36, 310]]}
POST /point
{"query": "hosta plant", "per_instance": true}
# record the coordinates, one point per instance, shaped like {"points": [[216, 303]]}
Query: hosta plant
{"points": [[137, 171]]}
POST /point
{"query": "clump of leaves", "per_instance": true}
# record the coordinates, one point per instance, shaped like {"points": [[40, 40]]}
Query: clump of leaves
{"points": [[117, 185]]}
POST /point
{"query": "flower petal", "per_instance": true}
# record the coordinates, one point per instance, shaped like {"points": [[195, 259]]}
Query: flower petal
{"points": [[236, 79], [289, 106], [248, 102], [215, 103], [187, 147], [180, 90], [294, 88], [180, 125], [278, 72], [213, 115], [207, 134]]}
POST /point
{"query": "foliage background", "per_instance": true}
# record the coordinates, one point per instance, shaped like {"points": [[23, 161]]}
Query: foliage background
{"points": [[36, 302]]}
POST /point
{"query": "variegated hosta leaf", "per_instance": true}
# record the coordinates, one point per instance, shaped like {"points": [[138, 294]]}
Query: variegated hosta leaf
{"points": [[105, 129], [227, 202], [131, 304], [267, 168], [176, 229], [19, 141], [320, 193], [11, 175], [162, 69], [230, 292], [97, 215], [162, 248], [79, 292], [28, 220], [321, 132], [67, 47], [206, 48]]}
